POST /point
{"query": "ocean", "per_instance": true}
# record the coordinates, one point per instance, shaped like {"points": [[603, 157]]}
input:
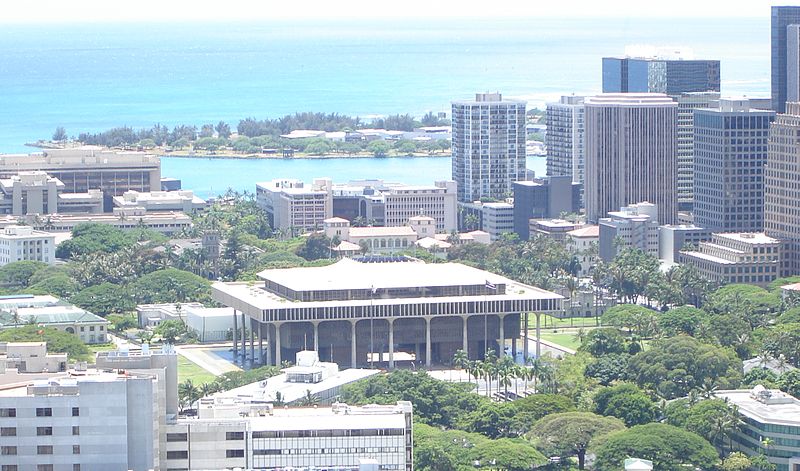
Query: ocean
{"points": [[92, 77]]}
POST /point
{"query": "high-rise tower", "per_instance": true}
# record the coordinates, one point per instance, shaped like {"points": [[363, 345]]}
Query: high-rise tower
{"points": [[782, 18], [488, 146]]}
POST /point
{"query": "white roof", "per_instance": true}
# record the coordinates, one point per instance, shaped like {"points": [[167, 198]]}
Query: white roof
{"points": [[782, 414], [381, 231], [748, 237]]}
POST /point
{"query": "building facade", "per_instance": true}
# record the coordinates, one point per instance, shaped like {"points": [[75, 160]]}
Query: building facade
{"points": [[497, 219], [781, 194], [488, 146], [438, 201], [293, 206], [674, 238], [751, 258], [631, 153], [634, 226], [730, 152], [544, 198], [767, 414], [565, 138], [660, 75], [584, 243], [352, 311], [687, 103], [782, 17], [182, 200], [19, 243], [48, 311]]}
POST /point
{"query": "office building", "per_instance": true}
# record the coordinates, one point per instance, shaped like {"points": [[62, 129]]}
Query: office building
{"points": [[687, 103], [437, 201], [497, 219], [634, 226], [293, 206], [770, 425], [91, 419], [30, 357], [555, 229], [488, 146], [781, 41], [674, 238], [355, 310], [19, 243], [730, 152], [630, 153], [86, 168], [37, 193], [668, 72], [126, 219], [781, 193], [751, 258], [544, 198], [565, 138]]}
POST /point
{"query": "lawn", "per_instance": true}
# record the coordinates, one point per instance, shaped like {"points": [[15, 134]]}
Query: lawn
{"points": [[564, 339], [190, 370], [550, 322]]}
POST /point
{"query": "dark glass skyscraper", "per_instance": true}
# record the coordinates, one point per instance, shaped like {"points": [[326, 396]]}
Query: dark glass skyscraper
{"points": [[651, 75], [782, 17]]}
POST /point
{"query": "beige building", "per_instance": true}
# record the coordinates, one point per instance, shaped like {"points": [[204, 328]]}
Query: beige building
{"points": [[781, 191], [293, 206], [182, 200], [30, 357], [438, 202], [122, 218], [37, 193], [584, 244], [554, 228], [81, 169], [48, 311], [752, 258], [631, 153]]}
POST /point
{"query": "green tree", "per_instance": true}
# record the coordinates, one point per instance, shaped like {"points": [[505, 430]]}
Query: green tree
{"points": [[379, 148], [669, 448], [104, 299], [572, 433], [171, 285], [609, 368], [636, 319], [604, 341], [682, 320], [675, 366], [170, 330], [508, 454], [315, 247], [627, 402], [19, 274], [90, 238], [223, 129], [60, 134], [57, 340]]}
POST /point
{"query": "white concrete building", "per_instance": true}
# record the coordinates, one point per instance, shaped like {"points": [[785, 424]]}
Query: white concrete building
{"points": [[291, 205], [182, 200], [634, 226], [752, 258], [48, 311], [24, 243], [584, 243], [30, 357], [438, 202], [488, 146], [125, 219], [498, 219], [565, 138], [674, 238]]}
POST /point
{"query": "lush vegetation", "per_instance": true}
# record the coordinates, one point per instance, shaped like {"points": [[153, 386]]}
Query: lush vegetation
{"points": [[57, 341]]}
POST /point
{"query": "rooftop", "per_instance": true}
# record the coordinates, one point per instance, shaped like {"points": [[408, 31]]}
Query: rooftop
{"points": [[587, 231], [748, 237], [381, 231], [631, 99], [780, 408], [57, 314]]}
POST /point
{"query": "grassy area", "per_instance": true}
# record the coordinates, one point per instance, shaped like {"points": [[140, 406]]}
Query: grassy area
{"points": [[190, 370], [101, 347], [550, 322], [564, 339]]}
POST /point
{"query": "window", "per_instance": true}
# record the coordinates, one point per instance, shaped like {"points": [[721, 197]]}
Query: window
{"points": [[76, 449], [8, 431], [234, 453], [44, 467], [177, 437], [44, 450], [76, 411], [44, 431], [8, 412], [8, 450], [234, 435], [76, 430], [177, 455], [76, 467], [8, 467], [44, 412]]}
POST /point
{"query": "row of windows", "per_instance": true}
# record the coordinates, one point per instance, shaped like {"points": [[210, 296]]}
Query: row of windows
{"points": [[324, 451], [40, 412], [184, 454], [383, 432], [39, 467]]}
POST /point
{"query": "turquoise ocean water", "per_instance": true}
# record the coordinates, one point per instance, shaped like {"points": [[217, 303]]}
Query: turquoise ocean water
{"points": [[93, 77]]}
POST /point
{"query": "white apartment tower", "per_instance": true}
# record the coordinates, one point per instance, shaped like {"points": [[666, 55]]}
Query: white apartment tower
{"points": [[630, 153], [565, 138], [488, 146], [781, 191]]}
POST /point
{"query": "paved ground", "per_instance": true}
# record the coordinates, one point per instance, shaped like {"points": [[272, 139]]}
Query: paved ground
{"points": [[208, 357]]}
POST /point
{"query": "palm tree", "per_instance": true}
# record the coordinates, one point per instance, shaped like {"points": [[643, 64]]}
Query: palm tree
{"points": [[309, 399], [571, 284], [535, 370], [15, 318], [460, 359], [187, 394], [505, 372], [474, 369]]}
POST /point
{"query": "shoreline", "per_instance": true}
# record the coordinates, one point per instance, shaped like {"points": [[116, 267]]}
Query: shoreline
{"points": [[296, 157]]}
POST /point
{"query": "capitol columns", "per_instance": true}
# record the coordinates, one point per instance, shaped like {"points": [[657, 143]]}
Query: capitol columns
{"points": [[391, 341], [353, 356], [278, 344], [428, 320], [464, 339]]}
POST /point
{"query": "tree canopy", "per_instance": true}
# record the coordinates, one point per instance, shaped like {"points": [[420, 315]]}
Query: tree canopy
{"points": [[572, 433], [57, 340]]}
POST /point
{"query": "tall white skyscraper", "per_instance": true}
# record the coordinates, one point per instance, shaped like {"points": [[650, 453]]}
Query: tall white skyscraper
{"points": [[631, 149], [565, 138], [488, 146]]}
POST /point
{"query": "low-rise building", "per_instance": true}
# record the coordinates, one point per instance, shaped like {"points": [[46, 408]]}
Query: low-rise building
{"points": [[24, 243], [30, 357], [635, 226], [672, 238], [770, 425], [182, 200], [125, 219], [292, 206], [583, 243], [556, 229], [544, 198], [48, 311], [210, 324], [752, 258], [498, 219]]}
